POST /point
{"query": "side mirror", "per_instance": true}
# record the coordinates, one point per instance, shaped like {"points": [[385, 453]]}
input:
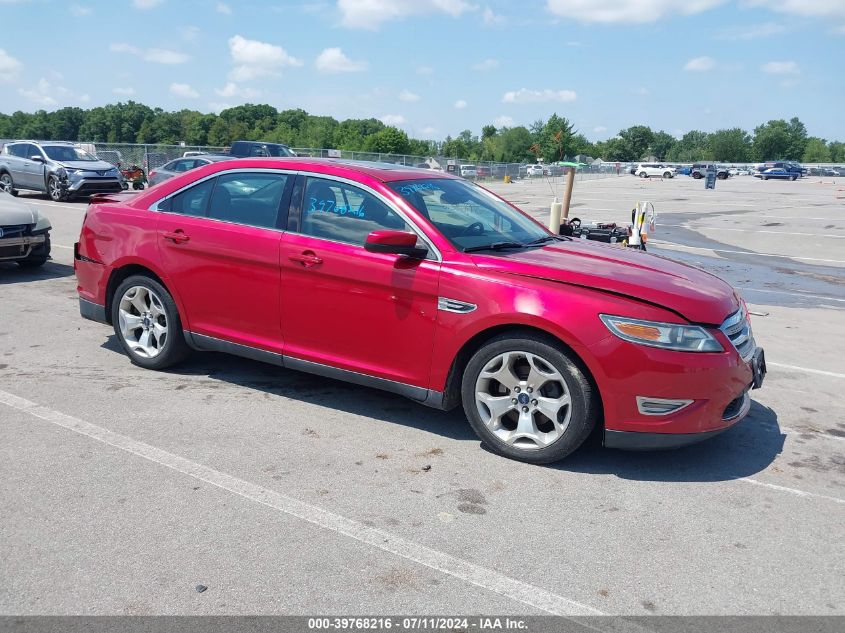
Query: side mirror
{"points": [[37, 159], [395, 242]]}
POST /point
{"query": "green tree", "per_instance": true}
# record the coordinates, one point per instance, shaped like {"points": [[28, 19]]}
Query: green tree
{"points": [[639, 139], [816, 151], [693, 146], [772, 140], [390, 140], [837, 151], [797, 139], [733, 146], [662, 143]]}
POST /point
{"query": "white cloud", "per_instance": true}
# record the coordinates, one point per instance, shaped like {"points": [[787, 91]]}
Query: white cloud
{"points": [[407, 95], [232, 89], [255, 59], [642, 91], [190, 33], [333, 60], [752, 31], [425, 70], [700, 64], [217, 107], [183, 90], [808, 8], [146, 4], [124, 92], [428, 131], [487, 64], [599, 129], [393, 119], [524, 95], [155, 55], [78, 11], [460, 104], [9, 66], [223, 8], [781, 68], [46, 94], [630, 11], [503, 121], [492, 19], [369, 14]]}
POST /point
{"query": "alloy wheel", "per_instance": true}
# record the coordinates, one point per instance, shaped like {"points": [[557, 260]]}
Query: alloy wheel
{"points": [[143, 321], [523, 400]]}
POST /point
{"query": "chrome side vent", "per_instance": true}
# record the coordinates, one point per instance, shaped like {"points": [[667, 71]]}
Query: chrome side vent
{"points": [[660, 406], [453, 305], [738, 329]]}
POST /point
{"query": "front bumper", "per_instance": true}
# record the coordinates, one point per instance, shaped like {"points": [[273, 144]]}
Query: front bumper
{"points": [[88, 186], [15, 248]]}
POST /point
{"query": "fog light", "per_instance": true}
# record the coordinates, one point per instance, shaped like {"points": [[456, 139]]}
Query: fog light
{"points": [[660, 406]]}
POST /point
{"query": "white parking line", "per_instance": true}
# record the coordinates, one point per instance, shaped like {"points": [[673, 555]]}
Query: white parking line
{"points": [[54, 204], [820, 372], [800, 493], [62, 246], [720, 228], [466, 571], [722, 250], [791, 294]]}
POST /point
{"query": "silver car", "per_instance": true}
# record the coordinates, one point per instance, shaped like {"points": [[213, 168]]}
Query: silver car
{"points": [[24, 233], [181, 165], [61, 170]]}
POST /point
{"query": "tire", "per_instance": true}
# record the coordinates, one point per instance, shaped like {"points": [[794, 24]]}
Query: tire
{"points": [[54, 190], [667, 174], [792, 178], [643, 174], [160, 349], [696, 175], [764, 177], [722, 176], [7, 184], [525, 355]]}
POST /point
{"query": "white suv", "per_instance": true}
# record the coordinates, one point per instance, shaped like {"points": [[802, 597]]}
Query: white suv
{"points": [[646, 170]]}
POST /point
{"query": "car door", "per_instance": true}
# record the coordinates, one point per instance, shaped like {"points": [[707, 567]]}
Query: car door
{"points": [[219, 245], [345, 307], [19, 165]]}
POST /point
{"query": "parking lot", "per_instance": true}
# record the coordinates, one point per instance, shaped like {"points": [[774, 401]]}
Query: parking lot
{"points": [[123, 490]]}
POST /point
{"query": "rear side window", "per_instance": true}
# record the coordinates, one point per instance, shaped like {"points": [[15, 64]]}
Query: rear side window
{"points": [[344, 213], [192, 201], [18, 150], [251, 199]]}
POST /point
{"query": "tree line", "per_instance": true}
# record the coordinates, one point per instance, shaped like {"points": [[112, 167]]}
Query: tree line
{"points": [[553, 139]]}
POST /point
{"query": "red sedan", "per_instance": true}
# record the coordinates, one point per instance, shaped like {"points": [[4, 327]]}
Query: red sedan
{"points": [[426, 285]]}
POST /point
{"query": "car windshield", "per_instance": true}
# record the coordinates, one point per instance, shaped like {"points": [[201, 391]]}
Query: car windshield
{"points": [[66, 153], [468, 215]]}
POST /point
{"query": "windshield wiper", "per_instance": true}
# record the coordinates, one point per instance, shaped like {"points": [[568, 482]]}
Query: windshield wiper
{"points": [[545, 238], [495, 246]]}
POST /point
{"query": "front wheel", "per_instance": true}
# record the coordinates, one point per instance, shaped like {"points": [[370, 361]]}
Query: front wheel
{"points": [[55, 190], [792, 178], [668, 174], [643, 174], [147, 324], [7, 184], [527, 399], [765, 177], [696, 175]]}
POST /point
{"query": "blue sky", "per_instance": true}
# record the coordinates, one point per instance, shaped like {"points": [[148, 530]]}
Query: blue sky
{"points": [[436, 67]]}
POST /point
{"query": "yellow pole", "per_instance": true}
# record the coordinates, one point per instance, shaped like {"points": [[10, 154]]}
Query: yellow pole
{"points": [[567, 195]]}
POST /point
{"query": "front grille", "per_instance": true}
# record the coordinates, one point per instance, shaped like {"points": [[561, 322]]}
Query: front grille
{"points": [[738, 329], [12, 252], [95, 186]]}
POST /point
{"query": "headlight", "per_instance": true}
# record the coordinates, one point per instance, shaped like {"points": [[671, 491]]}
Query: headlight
{"points": [[674, 336]]}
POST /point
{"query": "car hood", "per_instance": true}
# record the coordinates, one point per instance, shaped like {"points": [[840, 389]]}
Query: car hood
{"points": [[13, 212], [87, 165], [691, 292]]}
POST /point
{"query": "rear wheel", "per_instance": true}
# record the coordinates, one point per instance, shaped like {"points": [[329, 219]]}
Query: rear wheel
{"points": [[696, 175], [643, 174], [527, 399], [147, 323], [765, 177], [7, 184], [792, 177], [667, 174]]}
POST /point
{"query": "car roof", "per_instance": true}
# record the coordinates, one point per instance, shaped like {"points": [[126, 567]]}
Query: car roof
{"points": [[386, 172]]}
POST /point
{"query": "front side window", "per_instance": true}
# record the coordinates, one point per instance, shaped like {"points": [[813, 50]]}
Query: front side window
{"points": [[343, 213], [62, 153], [466, 214]]}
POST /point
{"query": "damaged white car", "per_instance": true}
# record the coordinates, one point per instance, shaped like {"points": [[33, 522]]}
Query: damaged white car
{"points": [[24, 233]]}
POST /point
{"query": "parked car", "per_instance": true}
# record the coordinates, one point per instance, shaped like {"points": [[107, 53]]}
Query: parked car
{"points": [[533, 170], [699, 170], [483, 171], [778, 173], [647, 170], [789, 166], [427, 285], [191, 153], [61, 170], [245, 149], [468, 171], [24, 233], [181, 165]]}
